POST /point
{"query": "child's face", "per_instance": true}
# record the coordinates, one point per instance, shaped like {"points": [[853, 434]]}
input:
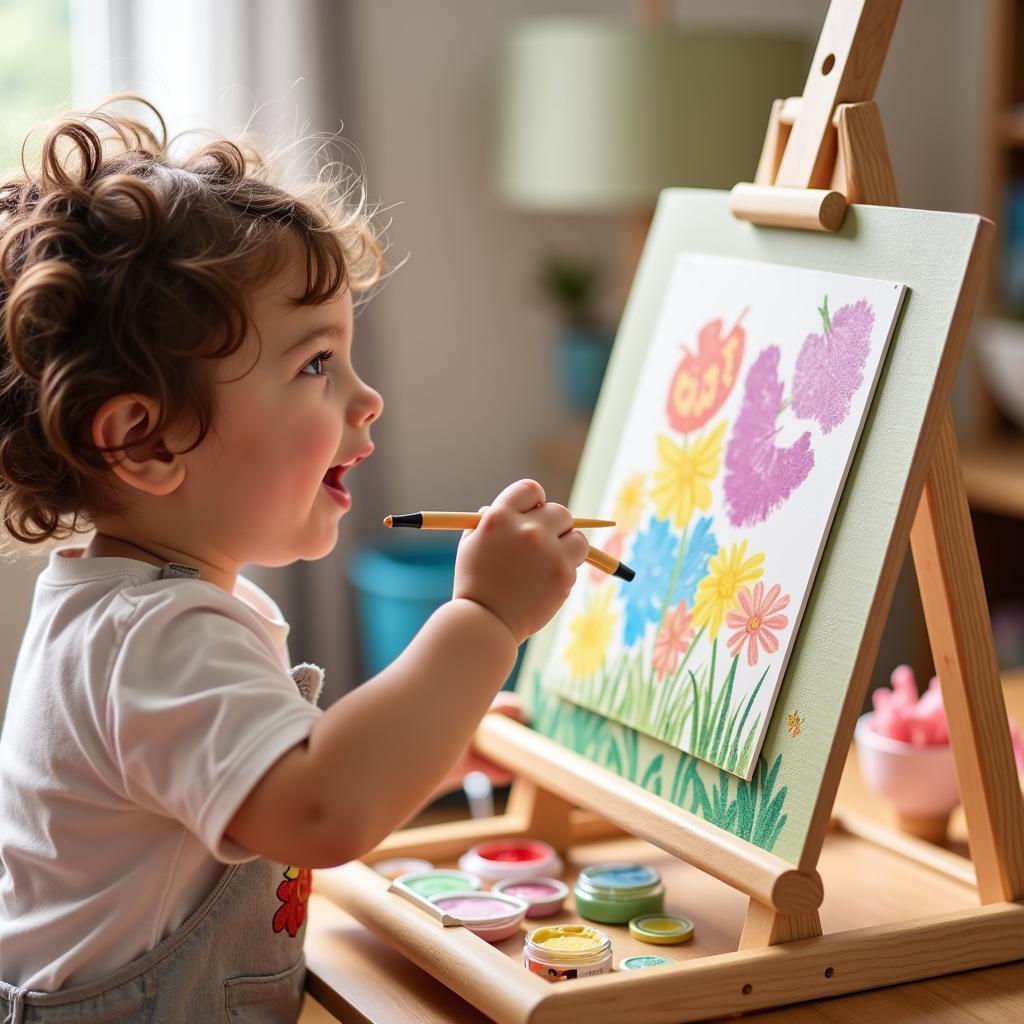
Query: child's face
{"points": [[257, 481]]}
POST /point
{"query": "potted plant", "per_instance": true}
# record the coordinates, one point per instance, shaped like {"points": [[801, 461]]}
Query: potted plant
{"points": [[570, 285]]}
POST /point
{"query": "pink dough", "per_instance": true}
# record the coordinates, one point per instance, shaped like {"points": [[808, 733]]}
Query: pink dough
{"points": [[901, 715]]}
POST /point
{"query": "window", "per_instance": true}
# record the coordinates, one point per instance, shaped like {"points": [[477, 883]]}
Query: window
{"points": [[35, 70]]}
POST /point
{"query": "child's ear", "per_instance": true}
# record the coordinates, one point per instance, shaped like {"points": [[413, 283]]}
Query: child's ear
{"points": [[120, 421]]}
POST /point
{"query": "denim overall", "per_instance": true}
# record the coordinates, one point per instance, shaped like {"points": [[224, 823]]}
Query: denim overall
{"points": [[237, 958]]}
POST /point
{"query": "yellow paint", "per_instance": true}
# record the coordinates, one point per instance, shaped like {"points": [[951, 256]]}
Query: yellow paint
{"points": [[794, 723], [572, 937]]}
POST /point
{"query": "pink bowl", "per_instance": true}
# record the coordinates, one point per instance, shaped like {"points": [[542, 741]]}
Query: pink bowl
{"points": [[544, 896], [920, 782]]}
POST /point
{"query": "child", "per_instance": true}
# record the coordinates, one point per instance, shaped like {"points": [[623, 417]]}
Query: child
{"points": [[176, 373]]}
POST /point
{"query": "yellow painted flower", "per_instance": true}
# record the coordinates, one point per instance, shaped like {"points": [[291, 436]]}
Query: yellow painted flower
{"points": [[716, 593], [629, 504], [681, 481], [591, 633]]}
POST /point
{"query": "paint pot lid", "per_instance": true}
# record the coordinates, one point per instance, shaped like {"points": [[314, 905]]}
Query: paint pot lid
{"points": [[555, 889], [636, 963], [462, 881], [661, 929], [476, 909], [398, 866]]}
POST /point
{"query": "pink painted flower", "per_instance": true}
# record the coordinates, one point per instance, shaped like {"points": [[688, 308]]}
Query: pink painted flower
{"points": [[758, 621], [672, 641]]}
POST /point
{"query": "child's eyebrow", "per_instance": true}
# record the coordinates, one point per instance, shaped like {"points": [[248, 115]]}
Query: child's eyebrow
{"points": [[315, 334]]}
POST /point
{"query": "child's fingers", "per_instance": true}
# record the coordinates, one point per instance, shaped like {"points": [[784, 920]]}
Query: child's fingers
{"points": [[555, 517], [522, 496], [482, 509], [579, 546]]}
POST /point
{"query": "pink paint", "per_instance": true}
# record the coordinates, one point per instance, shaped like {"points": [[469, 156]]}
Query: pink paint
{"points": [[481, 908], [530, 891], [544, 896], [491, 917]]}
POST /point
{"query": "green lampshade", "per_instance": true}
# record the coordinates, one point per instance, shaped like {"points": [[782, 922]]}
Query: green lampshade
{"points": [[600, 114]]}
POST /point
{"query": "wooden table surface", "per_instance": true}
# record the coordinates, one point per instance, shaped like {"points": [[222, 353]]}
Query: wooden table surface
{"points": [[370, 982]]}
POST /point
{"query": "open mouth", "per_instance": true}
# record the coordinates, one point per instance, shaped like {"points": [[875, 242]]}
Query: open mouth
{"points": [[332, 478]]}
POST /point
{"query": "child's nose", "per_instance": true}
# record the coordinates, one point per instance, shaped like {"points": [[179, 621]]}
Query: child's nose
{"points": [[366, 406]]}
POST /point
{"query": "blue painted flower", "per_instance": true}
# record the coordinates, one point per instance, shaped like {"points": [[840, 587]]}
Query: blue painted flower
{"points": [[700, 547], [653, 556]]}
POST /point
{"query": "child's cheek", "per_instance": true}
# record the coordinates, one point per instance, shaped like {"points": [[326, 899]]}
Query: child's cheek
{"points": [[313, 445]]}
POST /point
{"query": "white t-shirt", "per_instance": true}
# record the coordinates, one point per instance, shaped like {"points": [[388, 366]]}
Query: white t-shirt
{"points": [[142, 712]]}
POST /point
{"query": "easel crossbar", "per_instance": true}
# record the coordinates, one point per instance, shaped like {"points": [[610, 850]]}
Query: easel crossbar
{"points": [[754, 871]]}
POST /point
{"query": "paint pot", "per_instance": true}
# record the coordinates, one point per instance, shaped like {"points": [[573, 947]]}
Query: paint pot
{"points": [[559, 952], [661, 929], [491, 915], [616, 893], [638, 963], [543, 896], [398, 866], [498, 859], [439, 881]]}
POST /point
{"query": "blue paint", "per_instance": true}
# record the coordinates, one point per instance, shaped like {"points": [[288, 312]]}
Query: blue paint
{"points": [[622, 876]]}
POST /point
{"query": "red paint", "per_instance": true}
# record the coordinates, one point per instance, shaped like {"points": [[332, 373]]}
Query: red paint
{"points": [[704, 379], [512, 852]]}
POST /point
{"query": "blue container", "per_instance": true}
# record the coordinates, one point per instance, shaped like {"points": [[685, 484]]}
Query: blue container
{"points": [[583, 358], [398, 586]]}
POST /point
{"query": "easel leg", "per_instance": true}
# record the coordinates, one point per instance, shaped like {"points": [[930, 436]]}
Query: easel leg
{"points": [[766, 927], [544, 815], [953, 597]]}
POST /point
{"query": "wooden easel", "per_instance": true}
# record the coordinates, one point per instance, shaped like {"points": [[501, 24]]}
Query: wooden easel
{"points": [[822, 152]]}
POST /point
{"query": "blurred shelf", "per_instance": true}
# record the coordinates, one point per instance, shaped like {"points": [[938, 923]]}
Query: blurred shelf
{"points": [[994, 476], [1013, 129]]}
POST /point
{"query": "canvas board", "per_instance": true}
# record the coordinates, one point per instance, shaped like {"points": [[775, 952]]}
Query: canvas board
{"points": [[781, 807], [737, 440]]}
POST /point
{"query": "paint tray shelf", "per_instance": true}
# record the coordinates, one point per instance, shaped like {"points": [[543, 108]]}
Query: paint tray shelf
{"points": [[902, 877]]}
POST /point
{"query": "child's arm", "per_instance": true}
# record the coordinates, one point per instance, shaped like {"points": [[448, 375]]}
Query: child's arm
{"points": [[504, 703], [378, 753]]}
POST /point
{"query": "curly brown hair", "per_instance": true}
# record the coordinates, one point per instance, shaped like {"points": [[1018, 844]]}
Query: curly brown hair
{"points": [[124, 270]]}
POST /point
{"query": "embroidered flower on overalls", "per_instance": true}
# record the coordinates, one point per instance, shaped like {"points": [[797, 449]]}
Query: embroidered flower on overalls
{"points": [[293, 893]]}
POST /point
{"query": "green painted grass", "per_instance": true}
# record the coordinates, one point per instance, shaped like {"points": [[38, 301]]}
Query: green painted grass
{"points": [[752, 810]]}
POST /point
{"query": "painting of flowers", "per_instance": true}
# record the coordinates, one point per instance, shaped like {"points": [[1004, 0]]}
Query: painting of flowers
{"points": [[730, 463]]}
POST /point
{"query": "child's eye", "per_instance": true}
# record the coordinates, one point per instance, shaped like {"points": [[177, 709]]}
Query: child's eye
{"points": [[317, 362]]}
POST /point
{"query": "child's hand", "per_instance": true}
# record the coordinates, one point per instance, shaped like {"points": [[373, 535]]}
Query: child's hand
{"points": [[520, 562]]}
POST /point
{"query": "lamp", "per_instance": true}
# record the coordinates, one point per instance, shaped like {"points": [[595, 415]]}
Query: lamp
{"points": [[599, 114]]}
